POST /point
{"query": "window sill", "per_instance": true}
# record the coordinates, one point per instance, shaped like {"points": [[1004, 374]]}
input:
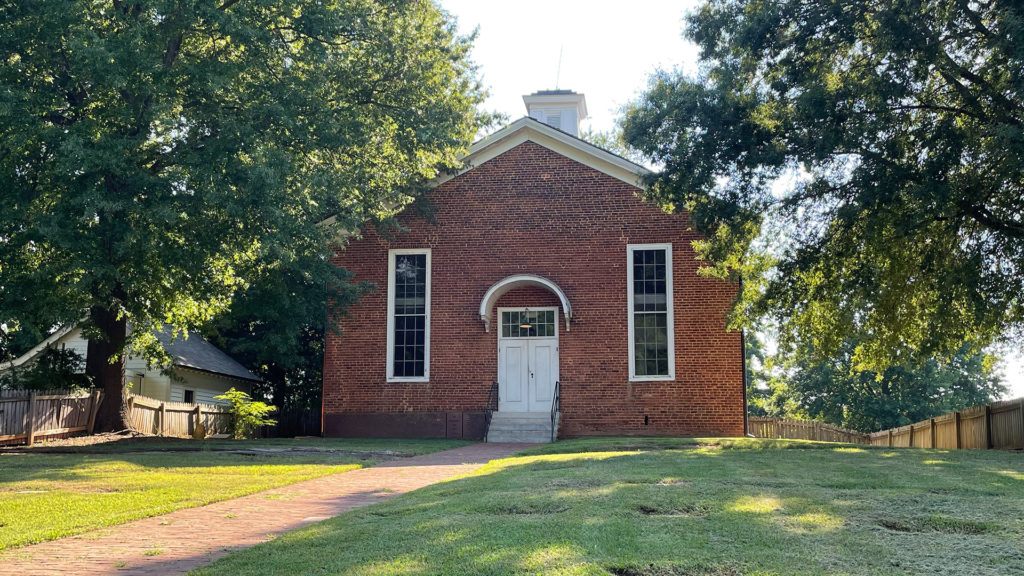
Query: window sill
{"points": [[408, 380], [668, 378]]}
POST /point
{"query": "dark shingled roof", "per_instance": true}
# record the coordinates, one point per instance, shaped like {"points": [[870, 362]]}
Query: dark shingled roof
{"points": [[198, 354]]}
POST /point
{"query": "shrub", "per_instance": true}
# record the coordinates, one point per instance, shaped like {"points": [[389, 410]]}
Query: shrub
{"points": [[247, 415]]}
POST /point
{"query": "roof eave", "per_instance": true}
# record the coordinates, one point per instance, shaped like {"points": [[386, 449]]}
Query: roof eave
{"points": [[530, 129]]}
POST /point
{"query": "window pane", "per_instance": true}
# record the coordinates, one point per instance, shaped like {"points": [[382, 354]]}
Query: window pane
{"points": [[410, 293], [538, 323], [650, 312]]}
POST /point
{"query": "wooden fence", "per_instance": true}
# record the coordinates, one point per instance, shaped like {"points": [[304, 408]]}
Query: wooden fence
{"points": [[803, 430], [999, 425], [29, 415], [151, 416]]}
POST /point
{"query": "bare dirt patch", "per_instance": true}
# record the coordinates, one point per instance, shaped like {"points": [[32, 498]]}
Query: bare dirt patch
{"points": [[678, 510], [671, 570], [944, 524], [575, 483], [529, 508]]}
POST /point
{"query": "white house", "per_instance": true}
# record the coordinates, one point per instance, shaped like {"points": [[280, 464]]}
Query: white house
{"points": [[198, 372]]}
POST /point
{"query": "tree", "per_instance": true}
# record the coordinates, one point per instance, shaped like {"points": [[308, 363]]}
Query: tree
{"points": [[158, 158], [276, 329], [50, 369], [883, 141], [613, 142], [835, 392]]}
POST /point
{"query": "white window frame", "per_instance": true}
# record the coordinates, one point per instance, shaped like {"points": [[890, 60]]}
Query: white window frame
{"points": [[391, 318], [670, 298]]}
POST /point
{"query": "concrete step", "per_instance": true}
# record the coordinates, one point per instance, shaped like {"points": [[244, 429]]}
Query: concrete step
{"points": [[519, 436], [521, 416], [519, 427]]}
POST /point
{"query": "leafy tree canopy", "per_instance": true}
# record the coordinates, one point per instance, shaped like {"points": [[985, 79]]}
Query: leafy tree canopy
{"points": [[885, 143], [158, 157], [276, 328], [833, 391]]}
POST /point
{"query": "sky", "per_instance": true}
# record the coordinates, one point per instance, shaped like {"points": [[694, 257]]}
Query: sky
{"points": [[605, 50], [608, 49]]}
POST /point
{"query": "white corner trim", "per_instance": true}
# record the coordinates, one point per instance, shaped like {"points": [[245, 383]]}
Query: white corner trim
{"points": [[391, 318], [670, 320]]}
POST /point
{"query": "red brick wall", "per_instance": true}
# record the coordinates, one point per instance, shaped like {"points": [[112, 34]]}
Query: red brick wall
{"points": [[531, 210]]}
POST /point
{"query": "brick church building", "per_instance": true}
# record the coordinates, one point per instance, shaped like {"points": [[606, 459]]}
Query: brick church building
{"points": [[547, 298]]}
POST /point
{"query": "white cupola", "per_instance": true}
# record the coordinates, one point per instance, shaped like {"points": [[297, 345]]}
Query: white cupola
{"points": [[562, 109]]}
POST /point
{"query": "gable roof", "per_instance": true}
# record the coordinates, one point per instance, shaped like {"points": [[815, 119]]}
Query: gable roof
{"points": [[532, 130], [528, 129], [52, 338], [195, 353]]}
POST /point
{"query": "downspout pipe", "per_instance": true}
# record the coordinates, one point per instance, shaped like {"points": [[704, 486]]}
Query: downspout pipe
{"points": [[743, 369]]}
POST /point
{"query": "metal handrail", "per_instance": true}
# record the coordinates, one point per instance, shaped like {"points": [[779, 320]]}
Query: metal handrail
{"points": [[555, 402], [492, 406]]}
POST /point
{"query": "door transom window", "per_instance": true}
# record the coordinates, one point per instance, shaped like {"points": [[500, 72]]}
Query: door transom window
{"points": [[528, 324]]}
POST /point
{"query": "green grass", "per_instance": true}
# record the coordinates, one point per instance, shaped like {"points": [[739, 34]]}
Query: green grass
{"points": [[637, 507], [399, 446], [45, 496]]}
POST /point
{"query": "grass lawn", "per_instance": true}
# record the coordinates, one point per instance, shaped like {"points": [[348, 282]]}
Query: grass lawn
{"points": [[397, 446], [634, 507], [45, 496]]}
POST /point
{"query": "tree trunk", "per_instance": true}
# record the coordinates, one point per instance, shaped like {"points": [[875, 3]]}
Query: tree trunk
{"points": [[105, 374]]}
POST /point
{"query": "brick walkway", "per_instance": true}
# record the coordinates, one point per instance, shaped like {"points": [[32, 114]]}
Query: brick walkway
{"points": [[196, 536]]}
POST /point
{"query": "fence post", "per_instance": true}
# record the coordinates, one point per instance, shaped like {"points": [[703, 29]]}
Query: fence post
{"points": [[988, 427], [890, 437], [817, 431], [94, 406], [163, 418], [911, 435], [956, 425], [1022, 423], [199, 418], [30, 428], [131, 413], [932, 424]]}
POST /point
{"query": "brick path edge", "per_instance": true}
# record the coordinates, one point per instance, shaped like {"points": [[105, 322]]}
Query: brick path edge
{"points": [[194, 537]]}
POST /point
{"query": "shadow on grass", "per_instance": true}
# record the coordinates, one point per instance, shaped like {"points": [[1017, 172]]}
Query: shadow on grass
{"points": [[710, 510], [400, 447]]}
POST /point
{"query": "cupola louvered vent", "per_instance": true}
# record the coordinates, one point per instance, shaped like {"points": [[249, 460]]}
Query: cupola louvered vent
{"points": [[562, 109]]}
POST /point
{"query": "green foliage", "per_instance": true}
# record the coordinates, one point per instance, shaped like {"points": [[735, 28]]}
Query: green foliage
{"points": [[159, 158], [247, 416], [767, 390], [276, 328], [835, 392], [613, 142], [884, 144], [52, 368]]}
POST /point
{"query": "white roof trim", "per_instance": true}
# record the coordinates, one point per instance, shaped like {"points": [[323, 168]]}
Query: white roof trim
{"points": [[529, 129], [532, 130], [37, 348], [515, 281]]}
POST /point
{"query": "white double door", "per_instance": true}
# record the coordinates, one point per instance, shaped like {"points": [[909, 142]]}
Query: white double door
{"points": [[527, 372]]}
